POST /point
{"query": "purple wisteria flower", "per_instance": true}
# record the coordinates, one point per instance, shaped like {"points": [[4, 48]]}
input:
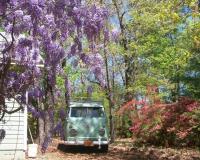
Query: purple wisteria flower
{"points": [[19, 13], [48, 31], [33, 2], [115, 33], [47, 140], [33, 111], [89, 90], [51, 114], [62, 113]]}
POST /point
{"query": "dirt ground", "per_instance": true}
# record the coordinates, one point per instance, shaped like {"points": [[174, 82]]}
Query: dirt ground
{"points": [[120, 150]]}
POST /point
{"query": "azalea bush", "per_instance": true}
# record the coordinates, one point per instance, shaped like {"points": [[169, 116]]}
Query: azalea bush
{"points": [[168, 124]]}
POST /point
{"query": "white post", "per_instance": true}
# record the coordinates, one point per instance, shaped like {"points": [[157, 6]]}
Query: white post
{"points": [[25, 122]]}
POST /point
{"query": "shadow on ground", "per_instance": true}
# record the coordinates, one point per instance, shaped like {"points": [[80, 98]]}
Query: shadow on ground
{"points": [[95, 153], [118, 151], [78, 149], [134, 153]]}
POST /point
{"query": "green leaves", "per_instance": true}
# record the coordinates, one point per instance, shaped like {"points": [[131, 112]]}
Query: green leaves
{"points": [[161, 39]]}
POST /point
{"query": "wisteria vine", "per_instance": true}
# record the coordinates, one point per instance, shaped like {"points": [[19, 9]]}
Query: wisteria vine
{"points": [[58, 127], [38, 36]]}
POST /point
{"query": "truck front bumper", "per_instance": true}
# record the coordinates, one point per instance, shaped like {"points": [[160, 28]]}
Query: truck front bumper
{"points": [[86, 142], [83, 142]]}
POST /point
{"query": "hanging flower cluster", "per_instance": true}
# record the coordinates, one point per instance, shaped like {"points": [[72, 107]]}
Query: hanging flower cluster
{"points": [[39, 36], [38, 30]]}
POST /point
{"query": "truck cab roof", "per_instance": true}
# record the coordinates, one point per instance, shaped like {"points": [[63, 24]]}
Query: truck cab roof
{"points": [[86, 104]]}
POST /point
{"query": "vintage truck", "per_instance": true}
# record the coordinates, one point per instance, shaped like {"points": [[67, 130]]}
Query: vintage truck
{"points": [[86, 125]]}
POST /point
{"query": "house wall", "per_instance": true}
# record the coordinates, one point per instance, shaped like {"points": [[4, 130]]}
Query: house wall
{"points": [[14, 144]]}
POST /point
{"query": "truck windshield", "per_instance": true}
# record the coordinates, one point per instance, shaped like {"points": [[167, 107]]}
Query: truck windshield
{"points": [[86, 112]]}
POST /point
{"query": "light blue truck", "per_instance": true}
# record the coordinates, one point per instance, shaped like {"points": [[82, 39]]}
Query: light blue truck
{"points": [[86, 125]]}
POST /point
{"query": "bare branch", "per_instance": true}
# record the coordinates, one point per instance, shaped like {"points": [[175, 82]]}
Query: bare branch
{"points": [[3, 37], [95, 82], [12, 41], [13, 111]]}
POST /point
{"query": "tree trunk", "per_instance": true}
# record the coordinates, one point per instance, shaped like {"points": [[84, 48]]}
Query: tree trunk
{"points": [[41, 125], [109, 96], [48, 125], [41, 130], [112, 135]]}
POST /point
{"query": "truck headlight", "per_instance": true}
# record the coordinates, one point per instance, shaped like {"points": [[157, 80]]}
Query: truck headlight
{"points": [[73, 132], [101, 132]]}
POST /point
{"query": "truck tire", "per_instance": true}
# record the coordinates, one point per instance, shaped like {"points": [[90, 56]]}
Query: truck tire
{"points": [[104, 148]]}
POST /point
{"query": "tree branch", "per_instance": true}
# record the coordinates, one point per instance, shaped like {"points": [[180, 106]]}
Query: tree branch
{"points": [[12, 41], [3, 37], [13, 111]]}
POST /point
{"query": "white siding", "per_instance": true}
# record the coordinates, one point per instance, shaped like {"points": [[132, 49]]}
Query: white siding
{"points": [[14, 144]]}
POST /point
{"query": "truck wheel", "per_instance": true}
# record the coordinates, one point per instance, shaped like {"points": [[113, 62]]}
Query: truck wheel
{"points": [[104, 148]]}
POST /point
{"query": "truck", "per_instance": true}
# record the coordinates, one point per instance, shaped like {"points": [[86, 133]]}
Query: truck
{"points": [[86, 125]]}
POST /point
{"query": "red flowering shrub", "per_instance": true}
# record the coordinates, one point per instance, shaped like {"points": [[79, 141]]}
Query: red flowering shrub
{"points": [[168, 124]]}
